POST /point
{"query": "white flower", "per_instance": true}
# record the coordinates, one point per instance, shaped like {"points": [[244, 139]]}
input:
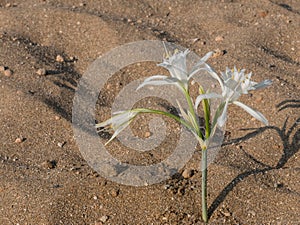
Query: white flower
{"points": [[118, 122], [176, 65], [234, 83]]}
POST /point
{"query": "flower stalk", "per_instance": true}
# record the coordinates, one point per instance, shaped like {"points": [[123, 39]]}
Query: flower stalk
{"points": [[206, 110], [204, 185]]}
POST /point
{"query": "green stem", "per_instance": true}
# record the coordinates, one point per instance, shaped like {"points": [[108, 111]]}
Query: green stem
{"points": [[204, 185], [206, 110], [192, 110], [159, 112]]}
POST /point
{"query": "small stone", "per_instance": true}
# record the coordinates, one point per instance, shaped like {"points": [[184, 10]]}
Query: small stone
{"points": [[218, 53], [59, 58], [8, 72], [263, 14], [2, 68], [194, 40], [61, 144], [226, 214], [251, 213], [8, 5], [258, 99], [167, 186], [98, 223], [219, 38], [19, 140], [49, 164], [187, 173], [147, 134], [114, 193], [41, 72], [57, 117], [103, 219], [95, 197]]}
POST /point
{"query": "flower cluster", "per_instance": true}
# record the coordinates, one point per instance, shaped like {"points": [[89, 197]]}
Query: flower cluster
{"points": [[233, 84]]}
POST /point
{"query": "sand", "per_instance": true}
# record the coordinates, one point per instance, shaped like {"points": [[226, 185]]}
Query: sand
{"points": [[45, 48]]}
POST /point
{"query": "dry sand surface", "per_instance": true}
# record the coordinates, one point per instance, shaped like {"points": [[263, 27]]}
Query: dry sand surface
{"points": [[47, 45]]}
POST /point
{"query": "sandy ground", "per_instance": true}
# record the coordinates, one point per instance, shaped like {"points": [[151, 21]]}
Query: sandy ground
{"points": [[45, 180]]}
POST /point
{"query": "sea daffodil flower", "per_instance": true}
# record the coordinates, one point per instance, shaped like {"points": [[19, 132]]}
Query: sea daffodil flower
{"points": [[234, 83], [176, 65], [118, 122], [121, 119]]}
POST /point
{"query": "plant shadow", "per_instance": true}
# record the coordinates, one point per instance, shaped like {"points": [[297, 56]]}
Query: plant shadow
{"points": [[290, 148]]}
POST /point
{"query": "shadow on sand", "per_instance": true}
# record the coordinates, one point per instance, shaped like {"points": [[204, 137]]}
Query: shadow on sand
{"points": [[290, 148]]}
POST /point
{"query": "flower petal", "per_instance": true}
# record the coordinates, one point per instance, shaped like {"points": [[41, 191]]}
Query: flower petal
{"points": [[162, 80], [223, 117], [183, 113], [215, 76], [104, 123], [201, 65], [206, 96], [205, 67], [207, 56], [262, 84], [117, 131], [156, 77], [257, 115]]}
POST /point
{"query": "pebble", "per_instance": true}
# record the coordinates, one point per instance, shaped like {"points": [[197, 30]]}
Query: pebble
{"points": [[61, 144], [219, 38], [19, 140], [103, 219], [258, 99], [251, 213], [187, 173], [263, 14], [49, 164], [227, 214], [74, 168], [8, 72], [114, 192], [147, 134], [98, 223], [194, 40], [218, 53], [8, 5], [2, 68], [59, 58], [41, 72], [167, 186]]}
